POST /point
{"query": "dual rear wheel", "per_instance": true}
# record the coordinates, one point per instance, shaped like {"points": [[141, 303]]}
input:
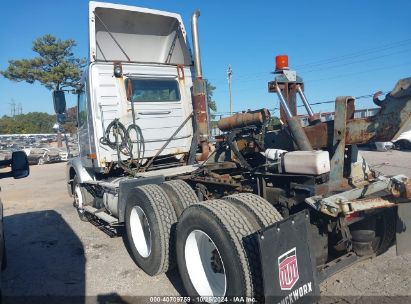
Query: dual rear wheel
{"points": [[213, 242], [216, 247], [150, 218]]}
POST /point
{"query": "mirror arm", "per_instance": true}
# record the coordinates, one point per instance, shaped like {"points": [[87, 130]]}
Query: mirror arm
{"points": [[6, 174], [5, 163]]}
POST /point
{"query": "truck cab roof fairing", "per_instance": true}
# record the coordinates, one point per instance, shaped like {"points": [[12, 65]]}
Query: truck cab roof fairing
{"points": [[135, 34]]}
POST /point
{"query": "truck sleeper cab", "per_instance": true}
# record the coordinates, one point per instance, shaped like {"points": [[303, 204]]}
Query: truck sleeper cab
{"points": [[149, 47]]}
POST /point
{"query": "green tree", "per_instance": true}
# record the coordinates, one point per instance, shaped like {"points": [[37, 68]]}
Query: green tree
{"points": [[34, 122], [55, 67], [210, 91], [70, 125]]}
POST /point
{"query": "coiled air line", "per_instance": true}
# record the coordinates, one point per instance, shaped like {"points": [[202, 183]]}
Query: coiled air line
{"points": [[124, 144]]}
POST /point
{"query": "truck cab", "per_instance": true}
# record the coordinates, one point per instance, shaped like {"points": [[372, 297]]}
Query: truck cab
{"points": [[145, 53]]}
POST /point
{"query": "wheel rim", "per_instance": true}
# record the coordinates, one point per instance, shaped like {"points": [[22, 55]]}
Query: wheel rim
{"points": [[204, 264], [78, 198], [140, 231], [41, 161]]}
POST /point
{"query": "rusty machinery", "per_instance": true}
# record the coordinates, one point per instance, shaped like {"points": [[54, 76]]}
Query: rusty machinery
{"points": [[350, 188], [239, 163]]}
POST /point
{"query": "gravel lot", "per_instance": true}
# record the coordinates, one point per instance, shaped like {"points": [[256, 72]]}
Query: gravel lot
{"points": [[51, 252]]}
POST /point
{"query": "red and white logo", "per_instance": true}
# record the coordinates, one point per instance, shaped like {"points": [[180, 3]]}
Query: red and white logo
{"points": [[288, 269]]}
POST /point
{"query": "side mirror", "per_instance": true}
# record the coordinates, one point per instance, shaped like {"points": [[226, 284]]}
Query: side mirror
{"points": [[19, 165], [129, 89], [59, 101]]}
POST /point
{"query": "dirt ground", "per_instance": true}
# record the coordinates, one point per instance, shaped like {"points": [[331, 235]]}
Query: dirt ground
{"points": [[51, 252]]}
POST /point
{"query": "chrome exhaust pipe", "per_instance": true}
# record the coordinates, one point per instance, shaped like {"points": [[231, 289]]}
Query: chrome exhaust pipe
{"points": [[200, 106], [196, 44]]}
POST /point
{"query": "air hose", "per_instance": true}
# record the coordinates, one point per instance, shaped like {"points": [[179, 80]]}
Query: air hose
{"points": [[124, 144]]}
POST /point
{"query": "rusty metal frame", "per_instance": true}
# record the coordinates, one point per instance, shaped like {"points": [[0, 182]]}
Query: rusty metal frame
{"points": [[289, 91], [340, 128], [393, 117], [378, 194], [230, 140]]}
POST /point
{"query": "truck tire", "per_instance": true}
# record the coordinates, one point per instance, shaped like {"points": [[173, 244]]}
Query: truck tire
{"points": [[385, 232], [81, 198], [253, 205], [217, 231], [150, 223], [373, 236], [180, 194]]}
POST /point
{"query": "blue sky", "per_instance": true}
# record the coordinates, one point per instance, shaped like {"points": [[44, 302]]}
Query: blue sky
{"points": [[338, 47]]}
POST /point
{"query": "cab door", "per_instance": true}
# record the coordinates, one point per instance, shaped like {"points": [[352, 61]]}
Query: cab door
{"points": [[83, 125]]}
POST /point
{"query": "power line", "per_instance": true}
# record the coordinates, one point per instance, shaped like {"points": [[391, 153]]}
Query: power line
{"points": [[388, 46], [340, 75], [358, 61], [312, 104], [329, 68], [356, 98], [361, 72], [357, 54]]}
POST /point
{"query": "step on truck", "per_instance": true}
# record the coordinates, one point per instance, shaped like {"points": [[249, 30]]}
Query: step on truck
{"points": [[258, 211]]}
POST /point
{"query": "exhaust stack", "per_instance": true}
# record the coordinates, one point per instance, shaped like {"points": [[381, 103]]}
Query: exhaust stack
{"points": [[200, 104], [196, 44]]}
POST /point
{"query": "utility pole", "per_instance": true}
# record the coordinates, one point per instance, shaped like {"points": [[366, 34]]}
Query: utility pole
{"points": [[19, 109], [229, 76], [12, 108]]}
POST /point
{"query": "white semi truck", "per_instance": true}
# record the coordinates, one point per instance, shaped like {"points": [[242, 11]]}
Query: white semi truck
{"points": [[262, 213]]}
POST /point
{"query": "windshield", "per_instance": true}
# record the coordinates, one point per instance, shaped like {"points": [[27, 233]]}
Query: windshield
{"points": [[145, 90]]}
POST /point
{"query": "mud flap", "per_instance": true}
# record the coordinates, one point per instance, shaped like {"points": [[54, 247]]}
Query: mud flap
{"points": [[403, 237], [288, 261]]}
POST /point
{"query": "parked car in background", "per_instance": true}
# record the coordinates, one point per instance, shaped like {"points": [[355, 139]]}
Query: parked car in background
{"points": [[382, 146], [63, 155], [41, 156], [4, 154], [403, 142]]}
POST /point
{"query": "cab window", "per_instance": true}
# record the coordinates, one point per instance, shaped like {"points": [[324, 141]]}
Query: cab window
{"points": [[146, 90], [82, 108]]}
